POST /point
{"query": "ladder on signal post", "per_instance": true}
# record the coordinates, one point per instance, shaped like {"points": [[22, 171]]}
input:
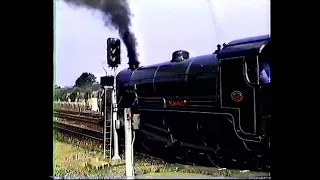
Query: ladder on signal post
{"points": [[107, 127], [108, 137]]}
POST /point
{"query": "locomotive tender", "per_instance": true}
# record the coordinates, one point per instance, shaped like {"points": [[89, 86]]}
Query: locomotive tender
{"points": [[219, 103]]}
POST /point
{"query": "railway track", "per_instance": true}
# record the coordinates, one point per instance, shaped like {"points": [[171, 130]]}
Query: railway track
{"points": [[78, 116], [95, 135], [88, 134], [90, 113], [78, 131]]}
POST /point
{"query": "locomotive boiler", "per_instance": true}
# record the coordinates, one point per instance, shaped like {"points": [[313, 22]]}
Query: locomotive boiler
{"points": [[218, 103]]}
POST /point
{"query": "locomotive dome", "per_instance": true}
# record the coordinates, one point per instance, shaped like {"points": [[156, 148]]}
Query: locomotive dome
{"points": [[179, 55]]}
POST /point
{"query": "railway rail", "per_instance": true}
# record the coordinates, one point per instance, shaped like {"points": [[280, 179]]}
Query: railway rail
{"points": [[91, 114], [93, 135], [99, 137], [79, 116], [78, 131]]}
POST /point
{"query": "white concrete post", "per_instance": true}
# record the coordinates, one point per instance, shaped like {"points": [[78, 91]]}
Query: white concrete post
{"points": [[128, 146], [114, 118]]}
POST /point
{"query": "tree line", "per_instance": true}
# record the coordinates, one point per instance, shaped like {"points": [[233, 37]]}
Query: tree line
{"points": [[81, 89]]}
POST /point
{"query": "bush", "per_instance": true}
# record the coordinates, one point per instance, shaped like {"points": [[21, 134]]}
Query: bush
{"points": [[88, 94], [57, 95]]}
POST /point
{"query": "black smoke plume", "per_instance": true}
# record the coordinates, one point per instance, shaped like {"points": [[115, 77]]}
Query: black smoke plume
{"points": [[116, 13]]}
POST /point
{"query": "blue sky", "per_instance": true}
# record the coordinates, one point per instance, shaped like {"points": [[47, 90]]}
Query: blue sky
{"points": [[161, 27]]}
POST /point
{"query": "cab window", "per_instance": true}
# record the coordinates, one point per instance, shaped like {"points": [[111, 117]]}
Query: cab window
{"points": [[257, 71], [264, 72], [251, 70]]}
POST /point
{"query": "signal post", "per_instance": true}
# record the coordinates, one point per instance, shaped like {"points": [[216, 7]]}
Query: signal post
{"points": [[113, 60]]}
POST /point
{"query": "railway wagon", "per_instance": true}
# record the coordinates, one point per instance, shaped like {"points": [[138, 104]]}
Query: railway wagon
{"points": [[219, 103]]}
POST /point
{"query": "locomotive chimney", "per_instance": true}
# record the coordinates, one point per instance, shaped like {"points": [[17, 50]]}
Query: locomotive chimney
{"points": [[179, 55], [218, 48]]}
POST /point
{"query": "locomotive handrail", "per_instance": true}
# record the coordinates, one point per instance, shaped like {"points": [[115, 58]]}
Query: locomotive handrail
{"points": [[119, 100], [161, 98]]}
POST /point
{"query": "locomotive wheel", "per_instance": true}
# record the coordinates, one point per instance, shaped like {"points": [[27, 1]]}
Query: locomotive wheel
{"points": [[214, 157], [149, 145], [221, 157], [158, 150], [144, 144], [260, 163]]}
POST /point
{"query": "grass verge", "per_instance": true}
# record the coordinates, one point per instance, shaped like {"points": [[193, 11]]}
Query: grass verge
{"points": [[75, 157]]}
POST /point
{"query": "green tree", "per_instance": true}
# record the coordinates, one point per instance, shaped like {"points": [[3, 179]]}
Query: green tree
{"points": [[88, 94], [85, 79], [57, 95], [64, 96], [56, 87], [74, 94], [100, 94]]}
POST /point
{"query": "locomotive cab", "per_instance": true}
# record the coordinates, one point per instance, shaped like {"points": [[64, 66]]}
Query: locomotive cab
{"points": [[258, 75], [245, 79]]}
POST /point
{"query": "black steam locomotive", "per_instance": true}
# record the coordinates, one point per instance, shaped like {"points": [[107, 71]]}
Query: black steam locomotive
{"points": [[218, 103]]}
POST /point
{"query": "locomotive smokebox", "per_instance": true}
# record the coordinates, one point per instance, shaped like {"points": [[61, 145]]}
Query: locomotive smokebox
{"points": [[179, 56]]}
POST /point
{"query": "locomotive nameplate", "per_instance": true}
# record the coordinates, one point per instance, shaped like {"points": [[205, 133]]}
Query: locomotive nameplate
{"points": [[177, 103]]}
